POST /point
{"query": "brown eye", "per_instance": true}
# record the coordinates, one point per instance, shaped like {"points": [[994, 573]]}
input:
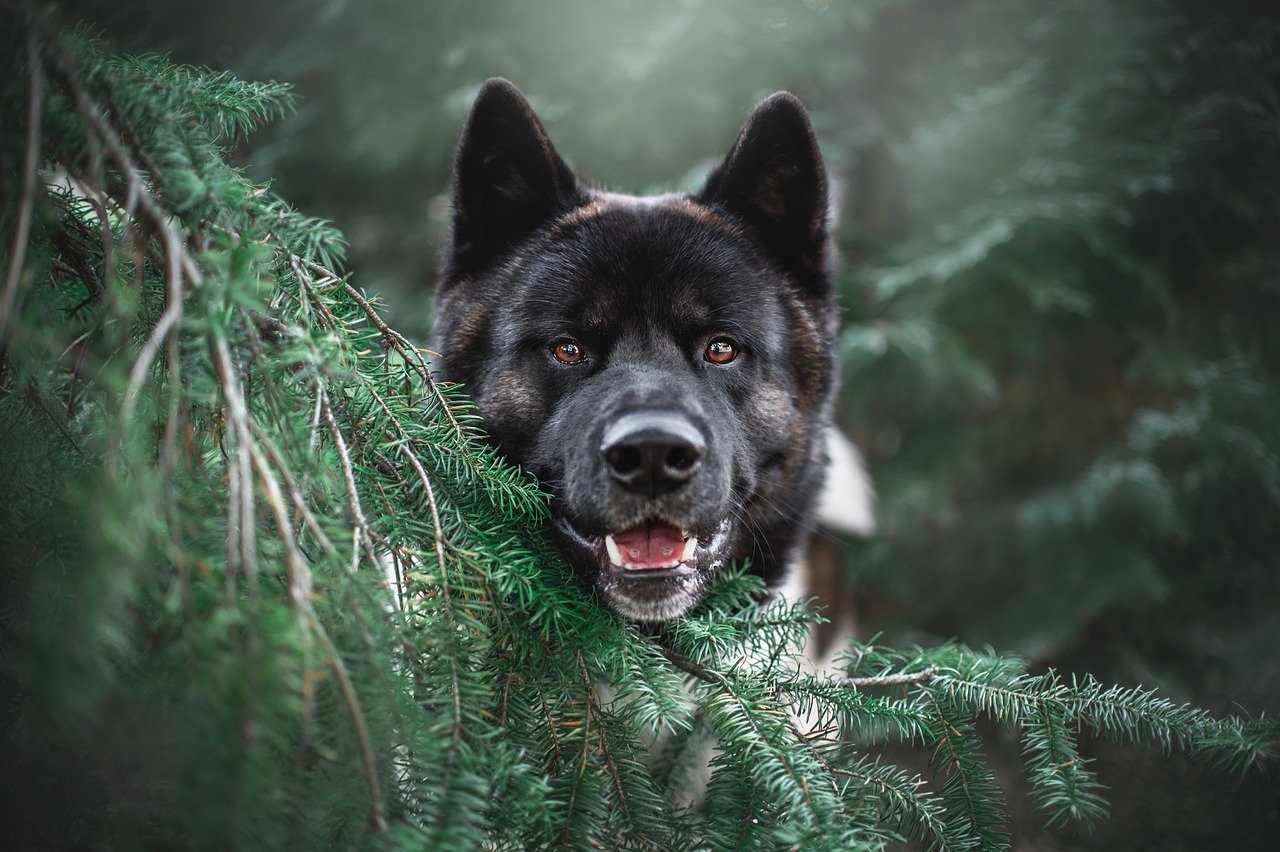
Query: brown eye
{"points": [[722, 350], [568, 352]]}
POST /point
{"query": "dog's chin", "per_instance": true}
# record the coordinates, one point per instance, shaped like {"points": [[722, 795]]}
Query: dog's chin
{"points": [[659, 579]]}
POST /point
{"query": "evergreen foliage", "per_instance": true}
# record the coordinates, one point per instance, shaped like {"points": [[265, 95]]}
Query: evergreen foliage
{"points": [[211, 445]]}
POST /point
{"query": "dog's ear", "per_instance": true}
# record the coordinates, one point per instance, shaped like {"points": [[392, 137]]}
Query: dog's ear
{"points": [[507, 179], [774, 181]]}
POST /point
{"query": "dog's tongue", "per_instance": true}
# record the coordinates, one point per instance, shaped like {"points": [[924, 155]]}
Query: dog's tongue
{"points": [[650, 545]]}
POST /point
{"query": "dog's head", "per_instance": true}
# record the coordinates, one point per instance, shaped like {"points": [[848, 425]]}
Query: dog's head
{"points": [[664, 365]]}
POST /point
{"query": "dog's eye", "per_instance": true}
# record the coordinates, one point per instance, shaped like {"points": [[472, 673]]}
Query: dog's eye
{"points": [[568, 352], [722, 350]]}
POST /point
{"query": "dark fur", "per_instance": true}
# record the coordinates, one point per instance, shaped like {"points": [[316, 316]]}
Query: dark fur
{"points": [[643, 284]]}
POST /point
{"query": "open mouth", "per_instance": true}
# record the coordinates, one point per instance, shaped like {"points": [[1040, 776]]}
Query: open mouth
{"points": [[650, 546], [650, 571]]}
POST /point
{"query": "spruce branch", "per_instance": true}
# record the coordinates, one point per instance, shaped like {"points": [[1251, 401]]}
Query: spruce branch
{"points": [[969, 784], [46, 406], [593, 710], [903, 798], [446, 594]]}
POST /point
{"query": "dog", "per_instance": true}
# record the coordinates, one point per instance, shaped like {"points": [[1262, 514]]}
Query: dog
{"points": [[664, 365]]}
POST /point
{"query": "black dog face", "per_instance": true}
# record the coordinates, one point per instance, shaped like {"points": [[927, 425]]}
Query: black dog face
{"points": [[663, 365]]}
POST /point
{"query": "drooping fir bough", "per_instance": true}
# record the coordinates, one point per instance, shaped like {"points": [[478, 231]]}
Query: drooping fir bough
{"points": [[212, 442]]}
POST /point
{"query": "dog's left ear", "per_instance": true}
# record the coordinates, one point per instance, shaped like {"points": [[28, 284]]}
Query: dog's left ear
{"points": [[774, 181]]}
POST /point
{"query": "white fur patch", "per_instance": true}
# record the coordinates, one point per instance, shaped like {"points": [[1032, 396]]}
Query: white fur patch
{"points": [[847, 503]]}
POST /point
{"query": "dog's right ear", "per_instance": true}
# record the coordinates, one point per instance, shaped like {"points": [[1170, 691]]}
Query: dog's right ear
{"points": [[507, 179]]}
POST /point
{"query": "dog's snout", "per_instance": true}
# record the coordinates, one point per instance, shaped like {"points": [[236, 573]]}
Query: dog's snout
{"points": [[652, 453]]}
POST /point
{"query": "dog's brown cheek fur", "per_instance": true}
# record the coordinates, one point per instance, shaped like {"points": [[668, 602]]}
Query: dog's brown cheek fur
{"points": [[510, 402], [462, 334], [810, 359]]}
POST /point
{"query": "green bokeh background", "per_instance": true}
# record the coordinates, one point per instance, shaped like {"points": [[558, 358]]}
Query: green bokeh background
{"points": [[1060, 281]]}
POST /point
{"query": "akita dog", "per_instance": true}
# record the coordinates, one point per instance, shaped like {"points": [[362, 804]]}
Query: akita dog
{"points": [[664, 365]]}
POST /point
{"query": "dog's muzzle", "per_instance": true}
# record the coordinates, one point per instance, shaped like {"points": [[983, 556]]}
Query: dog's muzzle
{"points": [[652, 532]]}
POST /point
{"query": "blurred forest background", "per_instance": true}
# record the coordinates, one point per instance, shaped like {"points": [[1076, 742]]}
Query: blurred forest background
{"points": [[1060, 236]]}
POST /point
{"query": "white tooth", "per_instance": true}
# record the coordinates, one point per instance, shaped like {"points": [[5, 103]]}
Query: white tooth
{"points": [[690, 545], [615, 555]]}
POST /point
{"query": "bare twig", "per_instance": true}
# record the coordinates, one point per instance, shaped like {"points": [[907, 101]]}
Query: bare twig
{"points": [[314, 434], [440, 562], [300, 585], [685, 664], [238, 419], [30, 162], [242, 509], [38, 397], [551, 726], [233, 518], [435, 513], [593, 706], [413, 358], [304, 294], [307, 296], [348, 477], [923, 676], [300, 580], [139, 203], [406, 449], [251, 326], [248, 516], [291, 484]]}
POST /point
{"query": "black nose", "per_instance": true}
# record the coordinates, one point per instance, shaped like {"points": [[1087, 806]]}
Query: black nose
{"points": [[652, 452]]}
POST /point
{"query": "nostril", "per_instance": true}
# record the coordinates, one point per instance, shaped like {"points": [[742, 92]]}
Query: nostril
{"points": [[681, 459], [624, 460]]}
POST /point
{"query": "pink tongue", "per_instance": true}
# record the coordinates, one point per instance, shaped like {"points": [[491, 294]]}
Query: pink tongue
{"points": [[650, 545]]}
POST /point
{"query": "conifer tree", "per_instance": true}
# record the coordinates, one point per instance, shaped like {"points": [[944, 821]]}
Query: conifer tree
{"points": [[211, 445]]}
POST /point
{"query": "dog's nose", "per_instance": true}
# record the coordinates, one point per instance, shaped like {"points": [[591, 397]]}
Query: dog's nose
{"points": [[652, 452]]}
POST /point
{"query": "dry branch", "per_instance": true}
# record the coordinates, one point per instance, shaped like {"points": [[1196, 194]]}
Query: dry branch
{"points": [[141, 205]]}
